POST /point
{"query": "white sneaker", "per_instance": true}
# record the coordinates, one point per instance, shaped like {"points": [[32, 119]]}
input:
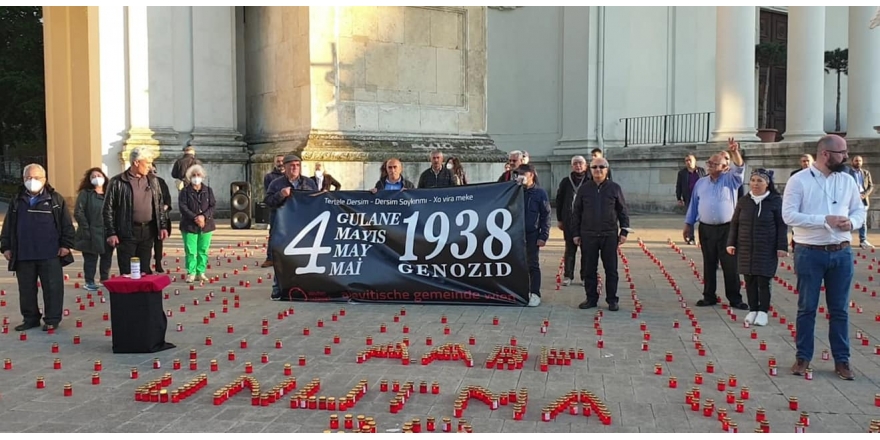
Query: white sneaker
{"points": [[566, 282], [750, 318], [534, 300], [190, 279], [761, 320], [866, 245], [203, 277]]}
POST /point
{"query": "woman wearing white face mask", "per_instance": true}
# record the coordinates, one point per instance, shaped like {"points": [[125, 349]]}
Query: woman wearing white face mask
{"points": [[458, 176], [89, 238], [196, 203]]}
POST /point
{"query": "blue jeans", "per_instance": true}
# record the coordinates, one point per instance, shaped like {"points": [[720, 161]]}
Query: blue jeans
{"points": [[863, 233], [836, 270]]}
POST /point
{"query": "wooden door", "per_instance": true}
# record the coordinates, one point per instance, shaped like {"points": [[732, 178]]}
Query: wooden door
{"points": [[774, 28]]}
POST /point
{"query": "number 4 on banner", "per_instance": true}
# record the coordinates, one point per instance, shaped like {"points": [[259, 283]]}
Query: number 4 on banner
{"points": [[313, 251]]}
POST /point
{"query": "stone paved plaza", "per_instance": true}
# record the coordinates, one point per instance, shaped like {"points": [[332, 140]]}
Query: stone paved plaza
{"points": [[621, 374]]}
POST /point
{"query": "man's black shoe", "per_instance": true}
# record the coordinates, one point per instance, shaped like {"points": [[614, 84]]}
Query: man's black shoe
{"points": [[25, 326], [741, 306], [46, 327], [613, 307], [704, 303], [588, 304]]}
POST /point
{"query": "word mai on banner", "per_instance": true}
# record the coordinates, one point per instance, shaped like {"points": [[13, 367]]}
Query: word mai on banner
{"points": [[457, 245]]}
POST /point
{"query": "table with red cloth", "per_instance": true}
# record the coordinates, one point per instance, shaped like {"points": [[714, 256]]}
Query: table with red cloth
{"points": [[136, 313]]}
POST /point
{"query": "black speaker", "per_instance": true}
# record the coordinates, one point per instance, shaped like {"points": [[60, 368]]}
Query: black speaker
{"points": [[240, 205], [261, 213]]}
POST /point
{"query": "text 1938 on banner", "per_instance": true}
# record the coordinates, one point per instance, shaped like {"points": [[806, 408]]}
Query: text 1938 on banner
{"points": [[458, 245]]}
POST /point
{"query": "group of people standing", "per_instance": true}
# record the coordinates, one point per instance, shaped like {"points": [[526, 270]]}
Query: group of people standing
{"points": [[127, 214], [823, 203]]}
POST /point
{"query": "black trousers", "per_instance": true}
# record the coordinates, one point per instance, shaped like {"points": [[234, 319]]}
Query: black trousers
{"points": [[532, 257], [139, 245], [592, 248], [713, 244], [90, 265], [570, 256], [758, 293], [158, 251], [52, 281]]}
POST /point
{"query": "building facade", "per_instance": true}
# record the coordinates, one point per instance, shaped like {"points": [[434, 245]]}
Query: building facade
{"points": [[352, 86]]}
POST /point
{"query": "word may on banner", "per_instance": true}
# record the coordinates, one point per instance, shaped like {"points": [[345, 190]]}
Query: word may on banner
{"points": [[458, 245]]}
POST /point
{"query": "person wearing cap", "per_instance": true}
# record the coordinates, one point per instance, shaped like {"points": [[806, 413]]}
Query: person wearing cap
{"points": [[178, 171], [599, 225], [277, 171], [537, 221], [758, 239], [280, 190]]}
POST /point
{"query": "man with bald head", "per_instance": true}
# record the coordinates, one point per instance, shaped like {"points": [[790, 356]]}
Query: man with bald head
{"points": [[866, 187], [599, 224], [823, 205], [713, 201]]}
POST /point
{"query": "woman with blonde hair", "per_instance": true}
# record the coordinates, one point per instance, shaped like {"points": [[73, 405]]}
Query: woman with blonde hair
{"points": [[196, 203]]}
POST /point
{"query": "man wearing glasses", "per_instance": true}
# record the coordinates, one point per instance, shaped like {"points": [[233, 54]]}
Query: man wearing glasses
{"points": [[599, 224], [823, 206], [712, 204]]}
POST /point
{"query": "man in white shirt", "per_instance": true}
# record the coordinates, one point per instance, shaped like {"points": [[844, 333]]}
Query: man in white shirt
{"points": [[823, 205]]}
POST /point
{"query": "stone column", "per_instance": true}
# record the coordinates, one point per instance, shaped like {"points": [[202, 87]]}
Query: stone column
{"points": [[863, 99], [805, 94], [215, 134], [73, 108], [575, 86], [735, 108], [114, 108], [150, 86]]}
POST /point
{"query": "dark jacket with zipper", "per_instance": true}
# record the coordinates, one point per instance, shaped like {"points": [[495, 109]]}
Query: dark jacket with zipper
{"points": [[537, 218], [757, 231], [63, 224], [682, 184], [565, 196], [441, 179], [118, 205], [192, 204], [599, 210], [166, 200], [88, 213]]}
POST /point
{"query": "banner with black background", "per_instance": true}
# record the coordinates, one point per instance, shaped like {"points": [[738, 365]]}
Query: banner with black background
{"points": [[458, 245]]}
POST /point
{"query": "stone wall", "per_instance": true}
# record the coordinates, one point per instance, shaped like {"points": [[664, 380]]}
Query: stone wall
{"points": [[648, 174], [353, 86]]}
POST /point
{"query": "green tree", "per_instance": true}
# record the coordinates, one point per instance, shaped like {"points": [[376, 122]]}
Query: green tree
{"points": [[22, 80], [838, 61]]}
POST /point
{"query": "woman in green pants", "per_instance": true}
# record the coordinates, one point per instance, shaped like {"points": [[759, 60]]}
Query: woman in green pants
{"points": [[196, 203]]}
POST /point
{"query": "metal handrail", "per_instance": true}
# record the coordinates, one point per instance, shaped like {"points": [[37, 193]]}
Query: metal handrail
{"points": [[683, 128]]}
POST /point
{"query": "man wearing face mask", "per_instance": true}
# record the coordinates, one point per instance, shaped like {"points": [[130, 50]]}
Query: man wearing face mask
{"points": [[323, 181], [565, 196], [437, 176], [36, 239]]}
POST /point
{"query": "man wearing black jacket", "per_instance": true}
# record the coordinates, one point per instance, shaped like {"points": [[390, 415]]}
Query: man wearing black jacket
{"points": [[684, 185], [36, 239], [134, 212], [565, 196], [600, 223]]}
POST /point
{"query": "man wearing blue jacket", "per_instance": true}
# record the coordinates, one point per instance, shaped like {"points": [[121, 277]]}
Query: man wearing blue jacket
{"points": [[537, 220]]}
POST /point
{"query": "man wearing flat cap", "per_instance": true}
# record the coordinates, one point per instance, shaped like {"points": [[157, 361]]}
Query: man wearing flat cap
{"points": [[280, 190]]}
